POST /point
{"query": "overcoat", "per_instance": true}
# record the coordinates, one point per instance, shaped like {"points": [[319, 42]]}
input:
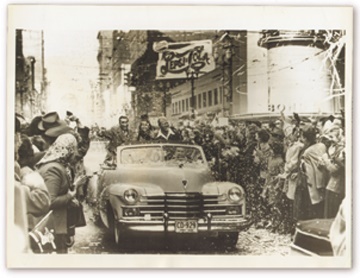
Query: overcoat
{"points": [[58, 183]]}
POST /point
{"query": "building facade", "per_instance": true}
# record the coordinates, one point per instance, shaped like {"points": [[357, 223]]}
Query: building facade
{"points": [[31, 83]]}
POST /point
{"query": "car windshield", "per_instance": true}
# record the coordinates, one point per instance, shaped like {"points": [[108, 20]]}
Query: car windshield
{"points": [[182, 155], [161, 155], [145, 155]]}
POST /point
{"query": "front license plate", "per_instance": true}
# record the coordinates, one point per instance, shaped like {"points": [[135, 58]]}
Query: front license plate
{"points": [[186, 226]]}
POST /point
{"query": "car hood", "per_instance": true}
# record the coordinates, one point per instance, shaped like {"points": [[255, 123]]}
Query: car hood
{"points": [[170, 179]]}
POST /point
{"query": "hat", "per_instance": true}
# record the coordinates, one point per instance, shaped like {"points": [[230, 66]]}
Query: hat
{"points": [[277, 132], [52, 126], [31, 161], [144, 117], [309, 132], [32, 129], [253, 128]]}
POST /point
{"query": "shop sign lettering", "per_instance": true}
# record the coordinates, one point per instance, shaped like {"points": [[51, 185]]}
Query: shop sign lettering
{"points": [[182, 60]]}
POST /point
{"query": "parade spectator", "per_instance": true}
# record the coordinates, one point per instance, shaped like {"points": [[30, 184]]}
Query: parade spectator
{"points": [[198, 136], [334, 162], [82, 134], [262, 152], [118, 135], [51, 126], [212, 151], [249, 170], [28, 154], [272, 192], [187, 136], [167, 133], [32, 146], [32, 199], [310, 190], [290, 174], [55, 168], [277, 135]]}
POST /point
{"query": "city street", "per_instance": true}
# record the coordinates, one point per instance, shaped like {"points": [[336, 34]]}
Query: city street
{"points": [[97, 240]]}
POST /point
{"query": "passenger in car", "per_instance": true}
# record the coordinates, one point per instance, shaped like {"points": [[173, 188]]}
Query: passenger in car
{"points": [[167, 133], [146, 132], [118, 135]]}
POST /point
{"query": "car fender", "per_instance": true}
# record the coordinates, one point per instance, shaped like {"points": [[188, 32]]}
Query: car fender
{"points": [[115, 192], [220, 187]]}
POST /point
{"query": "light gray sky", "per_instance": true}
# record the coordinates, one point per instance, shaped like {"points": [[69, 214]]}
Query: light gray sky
{"points": [[70, 60]]}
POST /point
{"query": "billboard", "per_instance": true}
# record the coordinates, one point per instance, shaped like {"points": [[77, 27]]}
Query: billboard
{"points": [[183, 59]]}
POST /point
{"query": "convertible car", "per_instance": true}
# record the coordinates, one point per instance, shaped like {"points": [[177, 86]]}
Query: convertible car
{"points": [[167, 189]]}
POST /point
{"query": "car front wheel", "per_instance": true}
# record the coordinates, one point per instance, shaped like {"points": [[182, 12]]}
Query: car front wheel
{"points": [[228, 240], [117, 234]]}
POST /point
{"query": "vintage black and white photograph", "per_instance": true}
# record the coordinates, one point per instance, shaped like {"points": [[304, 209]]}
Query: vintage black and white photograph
{"points": [[143, 139]]}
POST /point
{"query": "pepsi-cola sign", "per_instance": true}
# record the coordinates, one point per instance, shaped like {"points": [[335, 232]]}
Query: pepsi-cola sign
{"points": [[184, 59]]}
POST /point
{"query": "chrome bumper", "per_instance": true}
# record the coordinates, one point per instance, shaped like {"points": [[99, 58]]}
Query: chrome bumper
{"points": [[215, 225]]}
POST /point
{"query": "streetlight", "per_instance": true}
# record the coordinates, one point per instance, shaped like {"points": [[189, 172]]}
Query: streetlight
{"points": [[32, 95], [224, 59], [192, 75], [165, 87]]}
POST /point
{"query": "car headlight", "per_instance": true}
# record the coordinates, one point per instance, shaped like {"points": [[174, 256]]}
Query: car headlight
{"points": [[235, 195], [131, 196]]}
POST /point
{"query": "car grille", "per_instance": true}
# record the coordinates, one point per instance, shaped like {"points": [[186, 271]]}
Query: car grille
{"points": [[181, 205]]}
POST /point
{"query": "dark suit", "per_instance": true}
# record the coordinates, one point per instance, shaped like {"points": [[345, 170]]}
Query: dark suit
{"points": [[116, 137]]}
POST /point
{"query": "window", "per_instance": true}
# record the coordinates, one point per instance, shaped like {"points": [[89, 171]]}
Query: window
{"points": [[173, 108], [187, 104], [183, 105], [210, 97], [204, 99], [194, 102], [199, 101], [216, 101]]}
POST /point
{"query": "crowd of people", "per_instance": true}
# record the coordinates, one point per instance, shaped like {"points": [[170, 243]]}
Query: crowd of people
{"points": [[49, 178], [292, 168]]}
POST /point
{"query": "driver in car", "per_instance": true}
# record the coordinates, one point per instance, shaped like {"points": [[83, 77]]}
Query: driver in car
{"points": [[179, 155]]}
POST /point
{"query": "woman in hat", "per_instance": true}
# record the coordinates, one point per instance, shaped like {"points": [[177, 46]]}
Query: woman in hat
{"points": [[55, 167]]}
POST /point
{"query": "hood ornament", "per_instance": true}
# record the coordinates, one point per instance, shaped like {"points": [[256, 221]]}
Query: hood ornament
{"points": [[184, 182]]}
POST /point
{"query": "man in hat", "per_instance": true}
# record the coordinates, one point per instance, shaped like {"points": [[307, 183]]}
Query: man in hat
{"points": [[51, 127], [118, 135]]}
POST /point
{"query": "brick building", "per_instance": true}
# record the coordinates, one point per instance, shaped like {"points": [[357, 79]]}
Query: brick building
{"points": [[31, 83]]}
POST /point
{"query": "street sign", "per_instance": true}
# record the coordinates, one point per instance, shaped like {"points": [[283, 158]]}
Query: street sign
{"points": [[184, 59]]}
